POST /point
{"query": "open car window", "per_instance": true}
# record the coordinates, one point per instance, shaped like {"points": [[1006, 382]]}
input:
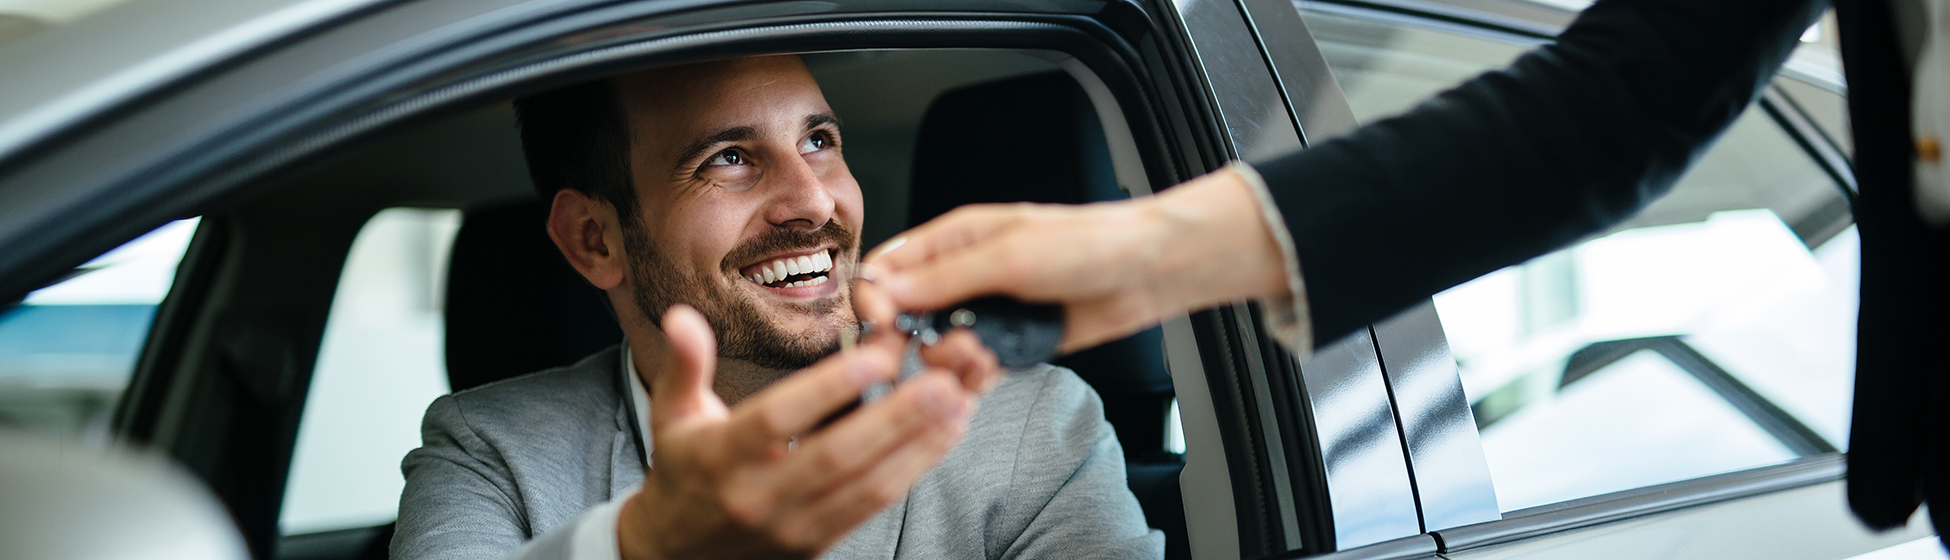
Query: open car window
{"points": [[1712, 332], [67, 350]]}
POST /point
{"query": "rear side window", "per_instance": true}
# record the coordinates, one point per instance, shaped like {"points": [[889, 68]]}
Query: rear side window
{"points": [[1712, 332], [66, 352], [381, 361]]}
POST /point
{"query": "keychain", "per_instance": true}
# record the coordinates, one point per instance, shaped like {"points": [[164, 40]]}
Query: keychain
{"points": [[1021, 334]]}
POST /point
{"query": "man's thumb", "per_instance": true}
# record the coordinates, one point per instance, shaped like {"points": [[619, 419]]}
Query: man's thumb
{"points": [[683, 387]]}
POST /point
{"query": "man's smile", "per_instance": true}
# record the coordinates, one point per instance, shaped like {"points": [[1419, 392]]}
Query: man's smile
{"points": [[805, 273]]}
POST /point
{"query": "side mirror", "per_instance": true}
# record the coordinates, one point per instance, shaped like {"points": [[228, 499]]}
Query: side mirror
{"points": [[71, 501]]}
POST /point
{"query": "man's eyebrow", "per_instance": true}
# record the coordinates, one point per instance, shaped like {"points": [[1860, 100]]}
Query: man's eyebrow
{"points": [[733, 134], [815, 120]]}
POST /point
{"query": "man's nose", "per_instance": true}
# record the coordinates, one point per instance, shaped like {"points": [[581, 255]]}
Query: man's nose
{"points": [[799, 198]]}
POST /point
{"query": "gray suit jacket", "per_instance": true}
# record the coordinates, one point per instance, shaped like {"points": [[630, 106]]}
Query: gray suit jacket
{"points": [[1039, 475]]}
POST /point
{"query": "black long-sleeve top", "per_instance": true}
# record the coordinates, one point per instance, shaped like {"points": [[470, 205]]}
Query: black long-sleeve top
{"points": [[1570, 139]]}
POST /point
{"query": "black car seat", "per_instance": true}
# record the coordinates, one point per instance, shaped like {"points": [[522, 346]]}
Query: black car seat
{"points": [[1037, 139], [514, 305]]}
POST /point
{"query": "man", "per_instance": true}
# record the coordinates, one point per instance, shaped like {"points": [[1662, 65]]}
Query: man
{"points": [[717, 191]]}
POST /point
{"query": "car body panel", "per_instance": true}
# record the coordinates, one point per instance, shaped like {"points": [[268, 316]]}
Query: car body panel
{"points": [[1807, 522]]}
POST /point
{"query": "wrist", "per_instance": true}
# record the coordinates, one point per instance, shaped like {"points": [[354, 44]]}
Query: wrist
{"points": [[1217, 243]]}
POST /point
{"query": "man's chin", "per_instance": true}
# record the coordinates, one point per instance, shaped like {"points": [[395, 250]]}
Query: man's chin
{"points": [[791, 341]]}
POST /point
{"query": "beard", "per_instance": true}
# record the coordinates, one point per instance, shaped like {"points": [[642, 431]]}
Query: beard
{"points": [[743, 329]]}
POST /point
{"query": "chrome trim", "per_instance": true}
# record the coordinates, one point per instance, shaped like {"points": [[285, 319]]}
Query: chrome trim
{"points": [[1256, 124], [1319, 108], [1237, 79], [1445, 452], [1366, 469], [1368, 485], [1542, 520]]}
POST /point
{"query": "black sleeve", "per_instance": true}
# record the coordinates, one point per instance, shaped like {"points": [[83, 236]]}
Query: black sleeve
{"points": [[1570, 139]]}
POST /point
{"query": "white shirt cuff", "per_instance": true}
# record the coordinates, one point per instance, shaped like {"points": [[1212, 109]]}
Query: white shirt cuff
{"points": [[595, 532], [592, 536], [1286, 315]]}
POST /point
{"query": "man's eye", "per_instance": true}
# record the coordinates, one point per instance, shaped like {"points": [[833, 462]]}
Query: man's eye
{"points": [[816, 142], [727, 157]]}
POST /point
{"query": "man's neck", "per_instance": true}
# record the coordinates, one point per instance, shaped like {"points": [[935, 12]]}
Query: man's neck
{"points": [[733, 381]]}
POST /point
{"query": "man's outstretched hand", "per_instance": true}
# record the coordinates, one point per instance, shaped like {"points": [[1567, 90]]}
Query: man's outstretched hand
{"points": [[725, 481]]}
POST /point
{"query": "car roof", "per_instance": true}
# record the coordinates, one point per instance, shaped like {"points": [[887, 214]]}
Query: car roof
{"points": [[103, 60]]}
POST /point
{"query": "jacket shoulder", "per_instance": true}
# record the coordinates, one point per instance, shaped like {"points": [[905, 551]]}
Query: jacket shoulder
{"points": [[586, 393]]}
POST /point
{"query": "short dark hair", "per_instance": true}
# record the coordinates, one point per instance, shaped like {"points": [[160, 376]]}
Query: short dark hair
{"points": [[578, 137]]}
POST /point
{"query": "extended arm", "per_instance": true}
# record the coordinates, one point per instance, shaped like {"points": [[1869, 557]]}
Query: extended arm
{"points": [[1571, 138]]}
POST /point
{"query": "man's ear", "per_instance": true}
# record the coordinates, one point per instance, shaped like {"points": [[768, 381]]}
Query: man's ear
{"points": [[588, 234]]}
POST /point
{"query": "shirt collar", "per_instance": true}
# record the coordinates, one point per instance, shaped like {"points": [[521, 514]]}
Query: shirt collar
{"points": [[641, 398]]}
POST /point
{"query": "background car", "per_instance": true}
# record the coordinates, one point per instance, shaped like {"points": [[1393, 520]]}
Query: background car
{"points": [[340, 228]]}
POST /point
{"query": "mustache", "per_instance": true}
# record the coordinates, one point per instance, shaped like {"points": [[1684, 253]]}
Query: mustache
{"points": [[780, 240]]}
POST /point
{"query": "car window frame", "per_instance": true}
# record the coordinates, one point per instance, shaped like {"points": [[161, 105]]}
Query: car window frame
{"points": [[1423, 333]]}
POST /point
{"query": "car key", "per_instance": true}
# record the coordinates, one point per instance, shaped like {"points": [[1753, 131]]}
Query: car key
{"points": [[1020, 333]]}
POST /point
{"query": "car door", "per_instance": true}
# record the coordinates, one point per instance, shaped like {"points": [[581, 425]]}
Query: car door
{"points": [[250, 95], [1331, 470], [1725, 356]]}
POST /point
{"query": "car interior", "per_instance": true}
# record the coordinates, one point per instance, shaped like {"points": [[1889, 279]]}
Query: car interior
{"points": [[926, 131]]}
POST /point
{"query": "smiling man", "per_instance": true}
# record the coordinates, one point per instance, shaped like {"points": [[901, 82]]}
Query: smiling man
{"points": [[711, 203]]}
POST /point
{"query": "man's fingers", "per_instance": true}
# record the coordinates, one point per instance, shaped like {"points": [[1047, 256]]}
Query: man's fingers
{"points": [[928, 406], [872, 305], [683, 387], [885, 482], [962, 354], [795, 403]]}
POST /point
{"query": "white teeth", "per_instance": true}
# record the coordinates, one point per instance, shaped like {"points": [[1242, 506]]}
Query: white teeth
{"points": [[781, 269]]}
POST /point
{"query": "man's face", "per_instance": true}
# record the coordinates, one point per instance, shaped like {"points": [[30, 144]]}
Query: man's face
{"points": [[747, 210]]}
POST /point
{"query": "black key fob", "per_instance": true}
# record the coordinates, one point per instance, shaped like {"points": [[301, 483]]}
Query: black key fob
{"points": [[1021, 334]]}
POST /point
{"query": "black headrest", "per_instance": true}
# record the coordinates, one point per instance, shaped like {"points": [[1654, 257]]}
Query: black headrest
{"points": [[1030, 139], [514, 305]]}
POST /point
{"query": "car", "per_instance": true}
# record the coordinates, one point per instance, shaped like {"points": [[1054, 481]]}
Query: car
{"points": [[259, 237]]}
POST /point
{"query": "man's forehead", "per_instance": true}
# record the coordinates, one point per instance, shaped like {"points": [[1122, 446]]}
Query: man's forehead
{"points": [[704, 93]]}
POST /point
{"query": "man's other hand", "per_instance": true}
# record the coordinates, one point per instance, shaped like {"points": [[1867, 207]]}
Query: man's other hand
{"points": [[727, 482]]}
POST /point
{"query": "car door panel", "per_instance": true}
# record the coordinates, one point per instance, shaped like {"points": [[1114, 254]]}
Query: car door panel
{"points": [[1807, 522], [1341, 394]]}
